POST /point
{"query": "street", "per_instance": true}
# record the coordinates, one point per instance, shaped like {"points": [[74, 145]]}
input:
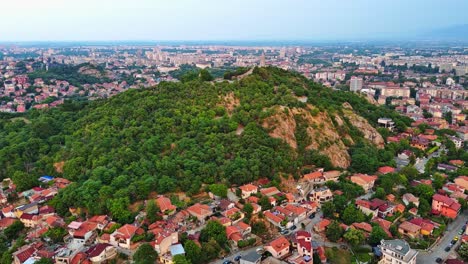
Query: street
{"points": [[438, 251]]}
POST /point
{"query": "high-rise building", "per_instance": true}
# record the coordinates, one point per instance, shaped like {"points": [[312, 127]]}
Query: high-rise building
{"points": [[397, 251], [355, 84]]}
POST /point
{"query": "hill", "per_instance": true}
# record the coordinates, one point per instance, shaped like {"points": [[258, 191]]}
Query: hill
{"points": [[451, 33], [178, 136]]}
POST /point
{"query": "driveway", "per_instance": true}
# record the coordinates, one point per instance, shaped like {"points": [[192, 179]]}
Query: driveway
{"points": [[438, 251]]}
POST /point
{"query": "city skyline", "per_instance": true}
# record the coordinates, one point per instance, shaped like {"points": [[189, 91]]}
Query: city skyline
{"points": [[261, 20]]}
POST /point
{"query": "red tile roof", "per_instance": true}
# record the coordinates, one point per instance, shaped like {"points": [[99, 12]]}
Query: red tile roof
{"points": [[97, 249], [165, 204], [280, 244]]}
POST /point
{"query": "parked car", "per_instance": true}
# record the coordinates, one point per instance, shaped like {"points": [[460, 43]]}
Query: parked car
{"points": [[228, 262], [293, 227], [237, 258], [438, 260], [259, 250], [447, 249], [312, 216]]}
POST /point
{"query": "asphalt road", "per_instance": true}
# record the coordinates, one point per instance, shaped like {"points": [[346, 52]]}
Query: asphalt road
{"points": [[438, 251]]}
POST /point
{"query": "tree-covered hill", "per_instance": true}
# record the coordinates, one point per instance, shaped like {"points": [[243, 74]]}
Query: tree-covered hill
{"points": [[177, 136]]}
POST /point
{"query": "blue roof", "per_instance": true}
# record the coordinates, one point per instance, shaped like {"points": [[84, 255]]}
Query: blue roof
{"points": [[46, 178], [177, 249]]}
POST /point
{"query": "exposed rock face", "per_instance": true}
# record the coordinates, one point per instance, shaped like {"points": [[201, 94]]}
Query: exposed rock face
{"points": [[230, 102], [369, 132], [282, 125], [323, 133]]}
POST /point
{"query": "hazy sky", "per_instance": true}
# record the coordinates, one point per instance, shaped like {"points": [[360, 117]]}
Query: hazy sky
{"points": [[51, 20]]}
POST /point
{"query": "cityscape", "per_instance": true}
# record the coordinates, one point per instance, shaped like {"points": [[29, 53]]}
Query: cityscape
{"points": [[251, 150]]}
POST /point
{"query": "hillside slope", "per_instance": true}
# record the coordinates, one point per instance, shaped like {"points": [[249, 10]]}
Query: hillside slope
{"points": [[180, 135]]}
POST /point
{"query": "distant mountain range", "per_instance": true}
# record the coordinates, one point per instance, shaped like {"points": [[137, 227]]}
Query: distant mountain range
{"points": [[452, 33]]}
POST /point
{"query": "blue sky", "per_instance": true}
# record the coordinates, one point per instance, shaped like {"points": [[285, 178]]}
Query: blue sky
{"points": [[69, 20]]}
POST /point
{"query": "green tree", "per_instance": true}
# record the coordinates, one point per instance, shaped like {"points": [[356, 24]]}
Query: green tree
{"points": [[56, 234], [328, 209], [354, 237], [265, 203], [380, 193], [424, 191], [352, 215], [219, 190], [424, 207], [119, 209], [193, 252], [206, 76], [145, 254], [376, 235], [180, 259], [248, 209], [463, 251], [334, 231], [259, 228], [152, 211], [13, 231], [24, 181], [7, 258], [215, 230]]}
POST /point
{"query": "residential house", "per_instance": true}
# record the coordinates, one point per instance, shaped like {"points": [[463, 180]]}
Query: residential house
{"points": [[200, 211], [397, 251], [234, 214], [275, 218], [363, 226], [366, 207], [165, 205], [410, 198], [247, 190], [364, 180], [101, 253], [462, 181], [122, 237], [315, 177], [321, 195], [304, 243], [322, 225], [445, 206], [385, 170], [332, 175], [409, 229], [30, 220], [226, 204], [21, 255], [427, 226], [82, 232], [270, 191], [101, 221], [163, 239], [279, 247], [251, 258]]}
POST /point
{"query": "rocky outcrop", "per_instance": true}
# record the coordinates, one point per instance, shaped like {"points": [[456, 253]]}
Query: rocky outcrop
{"points": [[368, 131], [325, 133]]}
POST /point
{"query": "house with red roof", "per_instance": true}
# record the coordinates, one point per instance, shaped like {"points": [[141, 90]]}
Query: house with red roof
{"points": [[164, 239], [445, 206], [165, 205], [366, 227], [385, 170], [364, 180], [304, 243], [101, 221], [322, 225], [274, 218], [6, 222], [462, 181], [427, 226], [384, 224], [234, 214], [247, 190], [122, 237], [30, 220], [200, 211], [315, 177], [101, 253], [279, 248], [366, 207], [81, 232], [409, 229], [25, 252], [270, 191]]}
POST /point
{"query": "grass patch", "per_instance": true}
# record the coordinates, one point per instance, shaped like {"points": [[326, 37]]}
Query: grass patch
{"points": [[338, 256]]}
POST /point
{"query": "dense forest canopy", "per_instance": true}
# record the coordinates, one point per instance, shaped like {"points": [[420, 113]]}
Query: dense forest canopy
{"points": [[176, 136]]}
